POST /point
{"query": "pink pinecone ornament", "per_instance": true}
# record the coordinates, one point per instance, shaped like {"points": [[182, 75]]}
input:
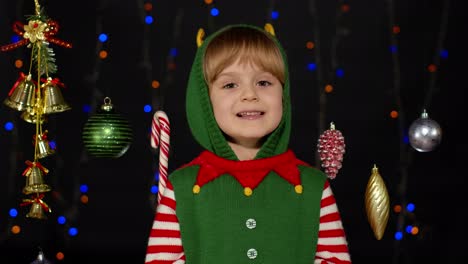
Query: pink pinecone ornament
{"points": [[331, 148]]}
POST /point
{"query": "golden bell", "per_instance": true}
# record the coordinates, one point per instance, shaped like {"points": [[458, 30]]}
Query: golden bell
{"points": [[23, 96], [31, 117], [53, 99], [43, 147], [36, 211], [35, 182]]}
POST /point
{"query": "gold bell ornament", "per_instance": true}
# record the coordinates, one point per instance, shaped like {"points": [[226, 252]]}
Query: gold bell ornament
{"points": [[53, 98], [22, 95], [31, 117], [38, 207], [43, 147], [377, 203], [36, 211], [34, 178]]}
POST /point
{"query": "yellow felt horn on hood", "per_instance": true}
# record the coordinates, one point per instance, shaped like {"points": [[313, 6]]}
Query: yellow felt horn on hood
{"points": [[269, 28], [201, 33], [200, 36]]}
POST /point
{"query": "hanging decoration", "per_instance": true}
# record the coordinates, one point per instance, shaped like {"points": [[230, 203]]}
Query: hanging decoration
{"points": [[377, 203], [331, 148], [37, 94], [424, 133], [160, 138], [107, 134], [41, 259]]}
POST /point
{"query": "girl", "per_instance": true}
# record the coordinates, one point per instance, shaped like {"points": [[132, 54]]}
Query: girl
{"points": [[246, 198]]}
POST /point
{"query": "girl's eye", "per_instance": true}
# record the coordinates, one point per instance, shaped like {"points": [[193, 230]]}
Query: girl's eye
{"points": [[229, 85], [264, 83]]}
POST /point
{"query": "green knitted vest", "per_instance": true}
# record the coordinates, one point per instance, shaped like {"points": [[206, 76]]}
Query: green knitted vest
{"points": [[273, 225]]}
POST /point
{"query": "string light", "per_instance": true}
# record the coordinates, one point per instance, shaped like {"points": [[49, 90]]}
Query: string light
{"points": [[274, 15], [326, 77], [147, 108], [399, 115], [18, 63], [155, 84], [393, 49], [59, 256], [214, 11], [398, 235], [397, 208], [9, 126], [16, 229]]}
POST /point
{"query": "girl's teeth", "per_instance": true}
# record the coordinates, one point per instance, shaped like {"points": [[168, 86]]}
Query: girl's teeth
{"points": [[249, 113]]}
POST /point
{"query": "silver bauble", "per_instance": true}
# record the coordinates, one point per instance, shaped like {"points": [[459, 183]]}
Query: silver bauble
{"points": [[41, 259], [424, 133]]}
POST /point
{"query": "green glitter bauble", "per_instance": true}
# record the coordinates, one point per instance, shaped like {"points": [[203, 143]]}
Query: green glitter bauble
{"points": [[107, 134]]}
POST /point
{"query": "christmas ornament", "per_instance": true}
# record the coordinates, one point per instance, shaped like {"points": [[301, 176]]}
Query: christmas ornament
{"points": [[331, 147], [160, 138], [43, 147], [377, 203], [107, 134], [53, 98], [34, 178], [32, 118], [38, 207], [424, 133], [22, 95], [36, 211], [37, 97], [41, 259]]}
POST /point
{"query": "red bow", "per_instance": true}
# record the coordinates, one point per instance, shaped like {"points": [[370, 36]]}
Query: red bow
{"points": [[20, 79], [34, 164], [54, 81], [52, 27], [42, 136], [37, 199]]}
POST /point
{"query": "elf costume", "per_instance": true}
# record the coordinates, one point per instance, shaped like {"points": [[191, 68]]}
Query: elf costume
{"points": [[217, 209]]}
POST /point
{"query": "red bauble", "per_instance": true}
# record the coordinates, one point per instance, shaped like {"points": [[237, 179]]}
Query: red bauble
{"points": [[331, 147]]}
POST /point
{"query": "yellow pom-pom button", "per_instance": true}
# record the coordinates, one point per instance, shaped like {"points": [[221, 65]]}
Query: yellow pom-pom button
{"points": [[298, 188], [247, 191], [196, 189]]}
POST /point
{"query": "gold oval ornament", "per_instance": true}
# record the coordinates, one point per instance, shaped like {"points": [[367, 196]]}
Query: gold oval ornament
{"points": [[377, 203]]}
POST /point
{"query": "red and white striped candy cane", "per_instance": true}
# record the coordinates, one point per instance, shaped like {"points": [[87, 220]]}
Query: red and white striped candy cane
{"points": [[160, 132]]}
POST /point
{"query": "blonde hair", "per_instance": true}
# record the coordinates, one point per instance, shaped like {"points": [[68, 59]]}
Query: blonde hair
{"points": [[247, 45]]}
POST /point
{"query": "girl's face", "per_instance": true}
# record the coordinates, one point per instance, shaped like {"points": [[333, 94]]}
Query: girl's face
{"points": [[247, 103]]}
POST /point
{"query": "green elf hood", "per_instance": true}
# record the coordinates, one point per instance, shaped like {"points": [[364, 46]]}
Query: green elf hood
{"points": [[200, 115]]}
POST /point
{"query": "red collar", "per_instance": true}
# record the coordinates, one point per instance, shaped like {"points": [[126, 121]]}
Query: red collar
{"points": [[249, 173]]}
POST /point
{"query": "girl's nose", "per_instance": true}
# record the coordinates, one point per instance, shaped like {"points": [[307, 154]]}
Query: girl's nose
{"points": [[249, 94]]}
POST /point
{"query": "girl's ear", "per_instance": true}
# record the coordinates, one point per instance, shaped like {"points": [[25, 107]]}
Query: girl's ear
{"points": [[269, 28], [200, 36]]}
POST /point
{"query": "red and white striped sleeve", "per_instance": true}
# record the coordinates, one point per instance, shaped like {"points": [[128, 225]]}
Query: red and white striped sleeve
{"points": [[332, 247], [165, 243]]}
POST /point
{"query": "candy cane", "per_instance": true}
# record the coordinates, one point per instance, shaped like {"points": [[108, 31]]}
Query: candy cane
{"points": [[160, 132]]}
